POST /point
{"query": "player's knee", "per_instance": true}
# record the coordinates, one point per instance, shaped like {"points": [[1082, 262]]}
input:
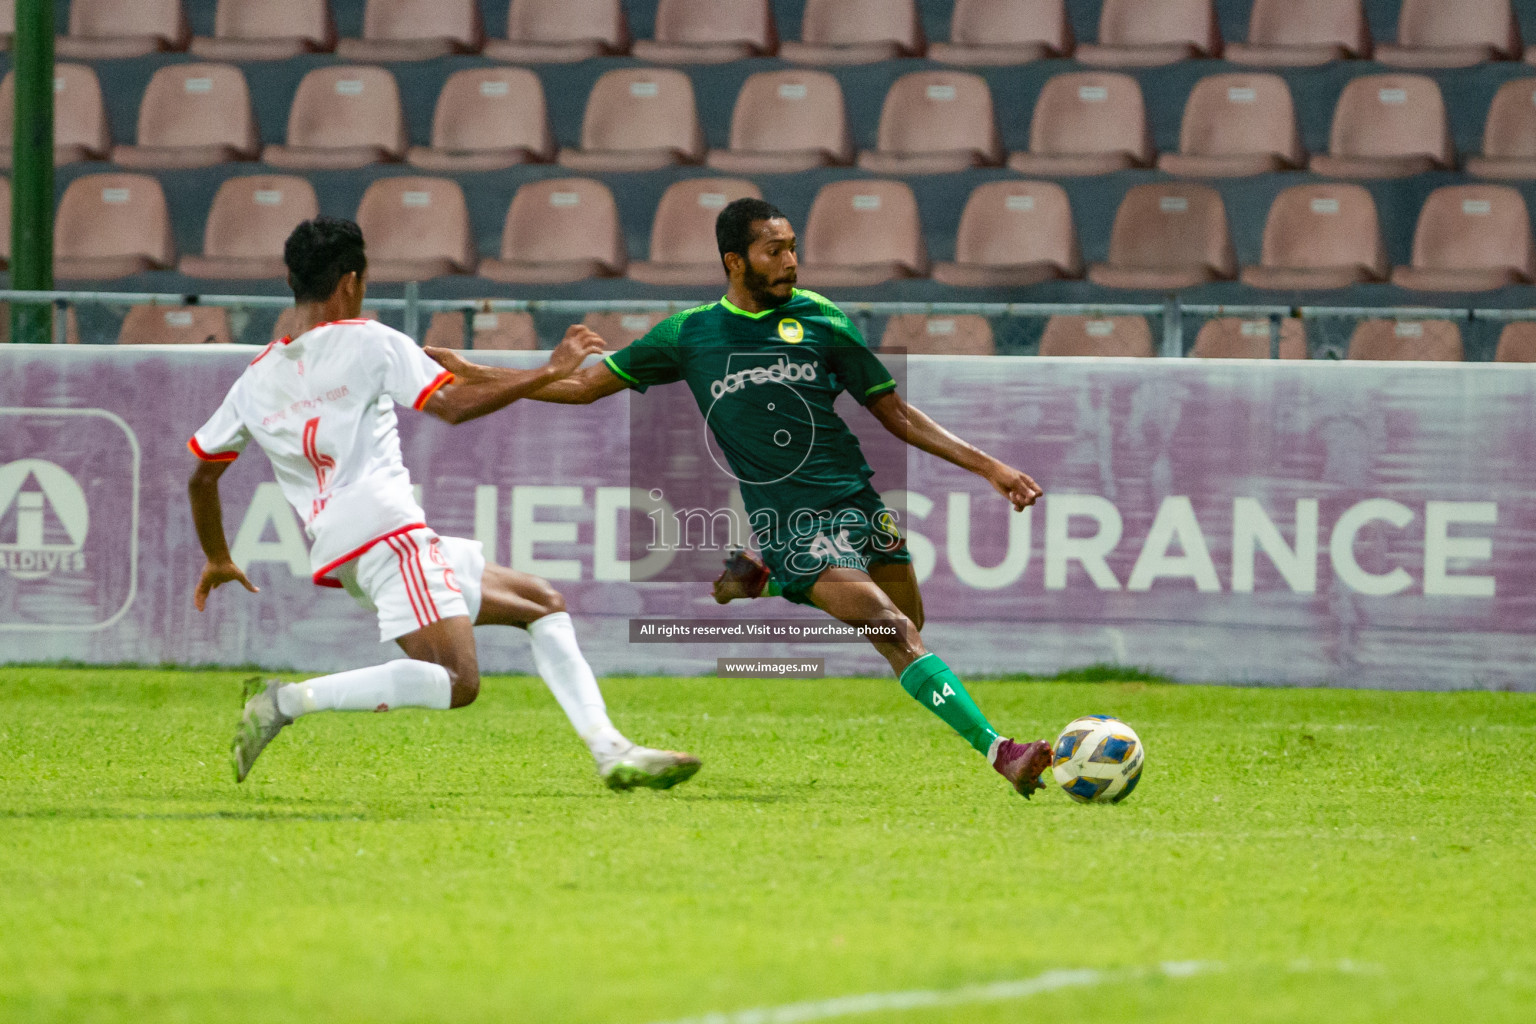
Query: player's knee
{"points": [[464, 683]]}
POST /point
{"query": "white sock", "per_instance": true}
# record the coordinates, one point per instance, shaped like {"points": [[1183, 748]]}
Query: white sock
{"points": [[569, 677], [403, 683]]}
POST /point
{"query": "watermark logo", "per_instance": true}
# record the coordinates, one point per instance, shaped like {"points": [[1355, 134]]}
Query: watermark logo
{"points": [[44, 520]]}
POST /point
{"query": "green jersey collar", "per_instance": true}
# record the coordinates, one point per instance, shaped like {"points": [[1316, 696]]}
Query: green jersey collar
{"points": [[731, 307]]}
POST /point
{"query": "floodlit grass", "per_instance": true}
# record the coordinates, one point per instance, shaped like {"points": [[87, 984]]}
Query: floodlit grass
{"points": [[468, 867]]}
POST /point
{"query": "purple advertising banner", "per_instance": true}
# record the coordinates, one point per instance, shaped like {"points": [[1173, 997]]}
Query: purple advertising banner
{"points": [[1350, 524]]}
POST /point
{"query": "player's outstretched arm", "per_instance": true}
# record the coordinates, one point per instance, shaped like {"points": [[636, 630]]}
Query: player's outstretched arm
{"points": [[481, 390], [916, 428], [208, 518]]}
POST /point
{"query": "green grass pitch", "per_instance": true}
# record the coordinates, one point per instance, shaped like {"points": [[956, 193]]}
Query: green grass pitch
{"points": [[1325, 855]]}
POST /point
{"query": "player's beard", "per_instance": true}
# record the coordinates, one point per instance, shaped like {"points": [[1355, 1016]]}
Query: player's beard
{"points": [[761, 290]]}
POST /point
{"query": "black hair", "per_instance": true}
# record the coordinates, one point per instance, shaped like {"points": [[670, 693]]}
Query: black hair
{"points": [[319, 253], [733, 228]]}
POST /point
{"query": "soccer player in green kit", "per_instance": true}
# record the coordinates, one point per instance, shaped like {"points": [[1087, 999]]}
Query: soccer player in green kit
{"points": [[824, 532]]}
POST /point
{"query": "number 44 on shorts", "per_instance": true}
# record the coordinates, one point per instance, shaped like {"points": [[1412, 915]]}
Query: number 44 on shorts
{"points": [[832, 546]]}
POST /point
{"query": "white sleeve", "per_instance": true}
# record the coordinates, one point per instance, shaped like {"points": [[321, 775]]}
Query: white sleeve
{"points": [[223, 437], [410, 375]]}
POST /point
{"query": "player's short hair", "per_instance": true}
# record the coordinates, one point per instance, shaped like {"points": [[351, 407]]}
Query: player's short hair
{"points": [[733, 228], [319, 253]]}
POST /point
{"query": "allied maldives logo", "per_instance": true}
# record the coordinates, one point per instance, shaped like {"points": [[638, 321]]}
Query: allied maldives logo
{"points": [[51, 522]]}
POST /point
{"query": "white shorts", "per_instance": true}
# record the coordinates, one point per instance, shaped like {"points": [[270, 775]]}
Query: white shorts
{"points": [[415, 579]]}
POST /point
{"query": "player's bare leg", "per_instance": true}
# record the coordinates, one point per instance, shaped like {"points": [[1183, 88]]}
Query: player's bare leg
{"points": [[899, 581]]}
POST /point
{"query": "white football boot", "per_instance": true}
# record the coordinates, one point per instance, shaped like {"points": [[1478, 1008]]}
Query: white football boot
{"points": [[638, 767], [259, 725]]}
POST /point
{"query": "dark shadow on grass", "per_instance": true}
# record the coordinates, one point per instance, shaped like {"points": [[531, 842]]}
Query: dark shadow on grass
{"points": [[1102, 672]]}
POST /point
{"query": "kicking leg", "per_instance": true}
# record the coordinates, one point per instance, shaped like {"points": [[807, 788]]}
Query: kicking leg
{"points": [[900, 584]]}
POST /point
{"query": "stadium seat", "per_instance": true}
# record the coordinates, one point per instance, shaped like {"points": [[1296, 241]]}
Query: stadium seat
{"points": [[786, 121], [487, 119], [860, 233], [919, 335], [1517, 343], [342, 118], [1148, 33], [111, 225], [1168, 236], [7, 24], [501, 332], [268, 30], [856, 32], [1509, 135], [1013, 234], [193, 115], [5, 223], [175, 325], [1318, 237], [638, 119], [1237, 125], [1097, 336], [1005, 32], [1436, 34], [1086, 122], [415, 30], [710, 32], [1470, 238], [1387, 126], [417, 229], [561, 31], [935, 122], [557, 231], [1417, 340], [683, 248], [290, 322], [1232, 337], [248, 223], [620, 330], [1303, 33], [108, 29], [80, 129]]}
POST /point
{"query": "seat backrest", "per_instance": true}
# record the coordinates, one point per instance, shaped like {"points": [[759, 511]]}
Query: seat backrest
{"points": [[1511, 127], [5, 219], [563, 219], [1090, 112], [175, 325], [642, 108], [1005, 22], [849, 22], [252, 217], [79, 112], [940, 112], [402, 20], [198, 105], [505, 332], [351, 105], [1488, 23], [1240, 114], [1391, 115], [620, 330], [779, 111], [1232, 337], [114, 215], [276, 19], [1096, 336], [1173, 224], [1517, 343], [1149, 22], [416, 218], [710, 21], [1327, 225], [492, 108], [1418, 340], [864, 222], [921, 335], [1011, 223], [568, 21], [1473, 227], [1310, 23], [684, 228], [163, 19]]}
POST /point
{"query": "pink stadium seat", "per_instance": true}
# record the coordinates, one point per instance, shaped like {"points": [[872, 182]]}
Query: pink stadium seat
{"points": [[5, 223], [786, 121], [247, 225], [487, 119], [1086, 122], [557, 231], [1417, 340], [175, 325], [107, 29], [268, 30], [417, 229], [1004, 32], [710, 32], [342, 118], [1436, 34], [560, 31], [1235, 338], [80, 130], [1236, 125], [1014, 234], [1387, 126], [638, 119], [193, 115], [856, 32], [111, 225], [920, 335], [1509, 135], [620, 330], [502, 332], [1168, 236], [1517, 343], [1303, 33], [415, 30], [1470, 238], [935, 122], [7, 24], [861, 233], [683, 248], [1320, 236], [1097, 336], [1147, 33]]}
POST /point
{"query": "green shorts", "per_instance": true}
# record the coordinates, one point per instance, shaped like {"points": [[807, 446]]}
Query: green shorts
{"points": [[857, 532]]}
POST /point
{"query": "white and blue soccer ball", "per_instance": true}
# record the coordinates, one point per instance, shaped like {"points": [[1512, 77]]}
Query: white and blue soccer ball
{"points": [[1098, 759]]}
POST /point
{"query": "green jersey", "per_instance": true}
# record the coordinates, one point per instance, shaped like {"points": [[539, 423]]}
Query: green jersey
{"points": [[766, 383]]}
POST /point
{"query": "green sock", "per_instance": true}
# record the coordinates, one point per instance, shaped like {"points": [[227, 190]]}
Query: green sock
{"points": [[935, 686]]}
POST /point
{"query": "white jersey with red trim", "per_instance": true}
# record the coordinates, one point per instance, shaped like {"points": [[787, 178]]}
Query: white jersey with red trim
{"points": [[322, 406]]}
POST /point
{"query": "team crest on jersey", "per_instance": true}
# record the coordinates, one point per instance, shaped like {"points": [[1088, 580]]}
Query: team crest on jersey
{"points": [[791, 330]]}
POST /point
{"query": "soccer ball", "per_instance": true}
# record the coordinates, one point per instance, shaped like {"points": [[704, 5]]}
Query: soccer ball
{"points": [[1098, 759]]}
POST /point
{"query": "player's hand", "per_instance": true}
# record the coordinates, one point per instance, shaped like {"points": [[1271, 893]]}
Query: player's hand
{"points": [[463, 370], [579, 343], [216, 574], [1015, 485]]}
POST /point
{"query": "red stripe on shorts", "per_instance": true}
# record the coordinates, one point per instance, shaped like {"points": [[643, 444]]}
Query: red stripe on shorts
{"points": [[405, 575], [421, 575]]}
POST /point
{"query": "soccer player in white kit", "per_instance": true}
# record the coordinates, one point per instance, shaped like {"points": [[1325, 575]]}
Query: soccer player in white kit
{"points": [[321, 405]]}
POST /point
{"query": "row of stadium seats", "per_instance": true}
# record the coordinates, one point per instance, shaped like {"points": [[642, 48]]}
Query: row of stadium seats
{"points": [[1012, 234], [1131, 33]]}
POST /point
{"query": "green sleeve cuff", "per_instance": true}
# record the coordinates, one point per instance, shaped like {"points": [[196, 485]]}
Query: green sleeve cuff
{"points": [[885, 385], [616, 369]]}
